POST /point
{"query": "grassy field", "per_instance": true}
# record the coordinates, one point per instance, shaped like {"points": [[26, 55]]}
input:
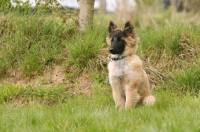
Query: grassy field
{"points": [[96, 113], [54, 78]]}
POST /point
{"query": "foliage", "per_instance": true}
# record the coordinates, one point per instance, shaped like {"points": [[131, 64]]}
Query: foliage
{"points": [[38, 2], [4, 4], [145, 2]]}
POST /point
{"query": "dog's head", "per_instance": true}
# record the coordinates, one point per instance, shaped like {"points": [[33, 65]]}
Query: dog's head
{"points": [[122, 42]]}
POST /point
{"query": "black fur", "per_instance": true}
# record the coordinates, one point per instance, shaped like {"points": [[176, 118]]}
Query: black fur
{"points": [[111, 27], [128, 28], [117, 43]]}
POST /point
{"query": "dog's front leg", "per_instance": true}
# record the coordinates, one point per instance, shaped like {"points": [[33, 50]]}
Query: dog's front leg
{"points": [[117, 91], [132, 96]]}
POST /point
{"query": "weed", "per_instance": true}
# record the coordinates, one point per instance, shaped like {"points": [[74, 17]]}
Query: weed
{"points": [[85, 47], [187, 80]]}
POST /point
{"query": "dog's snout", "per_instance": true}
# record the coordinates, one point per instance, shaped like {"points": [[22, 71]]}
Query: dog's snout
{"points": [[111, 50]]}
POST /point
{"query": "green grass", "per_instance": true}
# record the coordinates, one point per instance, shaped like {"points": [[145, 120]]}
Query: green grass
{"points": [[24, 95], [33, 40], [97, 113], [30, 43], [84, 47], [187, 80], [166, 41]]}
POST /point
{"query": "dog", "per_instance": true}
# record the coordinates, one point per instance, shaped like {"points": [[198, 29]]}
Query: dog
{"points": [[129, 82]]}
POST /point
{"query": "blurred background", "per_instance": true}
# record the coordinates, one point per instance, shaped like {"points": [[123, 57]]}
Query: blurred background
{"points": [[141, 12]]}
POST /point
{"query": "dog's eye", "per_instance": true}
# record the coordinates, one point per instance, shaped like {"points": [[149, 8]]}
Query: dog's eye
{"points": [[119, 38], [112, 40]]}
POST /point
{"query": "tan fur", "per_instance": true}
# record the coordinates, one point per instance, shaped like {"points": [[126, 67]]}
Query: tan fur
{"points": [[129, 81]]}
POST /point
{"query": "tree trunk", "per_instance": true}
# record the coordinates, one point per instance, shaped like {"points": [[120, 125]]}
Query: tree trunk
{"points": [[86, 14]]}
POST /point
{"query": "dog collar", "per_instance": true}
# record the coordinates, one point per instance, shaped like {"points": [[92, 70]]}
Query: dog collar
{"points": [[117, 58]]}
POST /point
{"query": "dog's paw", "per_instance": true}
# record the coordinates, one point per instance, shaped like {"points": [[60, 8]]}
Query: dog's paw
{"points": [[149, 100]]}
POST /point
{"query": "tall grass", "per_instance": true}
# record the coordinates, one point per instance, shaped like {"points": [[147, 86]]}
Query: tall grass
{"points": [[166, 46], [188, 80], [30, 43], [84, 47]]}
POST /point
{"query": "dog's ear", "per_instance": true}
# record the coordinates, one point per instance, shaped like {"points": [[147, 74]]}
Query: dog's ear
{"points": [[111, 26], [128, 28]]}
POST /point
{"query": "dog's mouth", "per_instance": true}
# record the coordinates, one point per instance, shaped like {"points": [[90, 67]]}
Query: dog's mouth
{"points": [[116, 57]]}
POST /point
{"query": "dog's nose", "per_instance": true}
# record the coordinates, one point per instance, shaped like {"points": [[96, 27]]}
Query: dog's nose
{"points": [[111, 50]]}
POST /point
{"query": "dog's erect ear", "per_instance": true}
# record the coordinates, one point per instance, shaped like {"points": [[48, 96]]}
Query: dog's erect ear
{"points": [[128, 28], [111, 26]]}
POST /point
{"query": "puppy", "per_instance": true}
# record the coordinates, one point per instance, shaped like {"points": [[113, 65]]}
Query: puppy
{"points": [[129, 81]]}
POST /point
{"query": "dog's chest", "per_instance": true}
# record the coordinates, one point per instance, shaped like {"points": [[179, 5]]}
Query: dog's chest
{"points": [[117, 68]]}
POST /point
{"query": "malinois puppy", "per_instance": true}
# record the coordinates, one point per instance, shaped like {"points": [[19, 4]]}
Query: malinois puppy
{"points": [[129, 81]]}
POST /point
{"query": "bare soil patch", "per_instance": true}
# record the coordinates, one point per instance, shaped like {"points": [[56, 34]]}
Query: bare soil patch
{"points": [[52, 78]]}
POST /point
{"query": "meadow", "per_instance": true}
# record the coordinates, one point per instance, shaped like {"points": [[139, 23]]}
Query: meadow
{"points": [[97, 113], [54, 78]]}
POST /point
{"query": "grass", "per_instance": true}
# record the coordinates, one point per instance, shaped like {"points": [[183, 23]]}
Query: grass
{"points": [[33, 40], [187, 80], [169, 44], [24, 95], [84, 47], [97, 113], [30, 43]]}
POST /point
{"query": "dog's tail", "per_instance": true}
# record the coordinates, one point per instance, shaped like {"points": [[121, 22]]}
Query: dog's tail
{"points": [[149, 100]]}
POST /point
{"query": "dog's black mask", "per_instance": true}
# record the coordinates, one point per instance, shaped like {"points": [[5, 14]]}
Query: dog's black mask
{"points": [[117, 43]]}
